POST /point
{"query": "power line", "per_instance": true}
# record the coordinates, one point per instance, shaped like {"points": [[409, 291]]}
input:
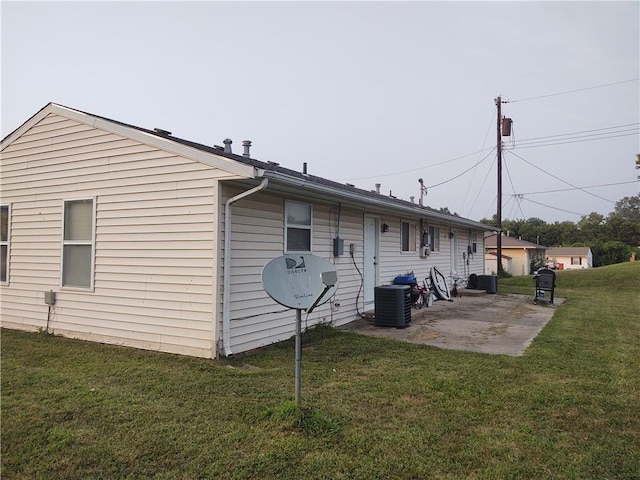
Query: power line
{"points": [[581, 131], [460, 174], [464, 200], [506, 166], [563, 181], [579, 188], [554, 208], [574, 91], [418, 168], [587, 138], [482, 186]]}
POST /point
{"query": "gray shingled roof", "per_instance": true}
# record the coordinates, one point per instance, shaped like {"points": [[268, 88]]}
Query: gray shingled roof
{"points": [[283, 173]]}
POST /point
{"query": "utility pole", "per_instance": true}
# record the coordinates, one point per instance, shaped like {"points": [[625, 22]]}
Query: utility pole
{"points": [[503, 129], [499, 212]]}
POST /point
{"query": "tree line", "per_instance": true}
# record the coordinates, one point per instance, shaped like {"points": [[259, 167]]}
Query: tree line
{"points": [[612, 239]]}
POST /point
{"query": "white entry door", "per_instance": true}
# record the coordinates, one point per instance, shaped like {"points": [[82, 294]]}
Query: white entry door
{"points": [[370, 254]]}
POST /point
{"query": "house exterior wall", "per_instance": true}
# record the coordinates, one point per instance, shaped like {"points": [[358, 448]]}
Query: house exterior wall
{"points": [[257, 236], [154, 282], [491, 264], [158, 277], [394, 262], [585, 262], [520, 262]]}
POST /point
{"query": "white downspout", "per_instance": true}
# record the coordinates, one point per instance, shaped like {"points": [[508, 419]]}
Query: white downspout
{"points": [[226, 283]]}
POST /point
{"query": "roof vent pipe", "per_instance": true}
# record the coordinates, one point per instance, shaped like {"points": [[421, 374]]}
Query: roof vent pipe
{"points": [[378, 188], [304, 168], [412, 199], [247, 145], [227, 145]]}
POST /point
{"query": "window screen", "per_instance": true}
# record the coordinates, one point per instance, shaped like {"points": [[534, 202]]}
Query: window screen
{"points": [[408, 236], [77, 250], [4, 243], [434, 239], [298, 227]]}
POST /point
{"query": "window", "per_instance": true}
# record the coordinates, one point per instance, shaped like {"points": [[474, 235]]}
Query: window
{"points": [[408, 236], [297, 227], [474, 242], [434, 239], [4, 244], [77, 243], [576, 260]]}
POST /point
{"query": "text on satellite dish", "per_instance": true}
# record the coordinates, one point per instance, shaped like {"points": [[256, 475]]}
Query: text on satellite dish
{"points": [[306, 295]]}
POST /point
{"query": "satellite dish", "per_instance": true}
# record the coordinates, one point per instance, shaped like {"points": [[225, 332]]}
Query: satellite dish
{"points": [[440, 284], [300, 281]]}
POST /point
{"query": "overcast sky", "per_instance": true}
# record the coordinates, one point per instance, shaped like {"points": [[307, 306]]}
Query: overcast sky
{"points": [[365, 93]]}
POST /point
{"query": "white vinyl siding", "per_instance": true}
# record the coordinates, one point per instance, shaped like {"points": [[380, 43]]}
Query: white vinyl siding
{"points": [[258, 237], [5, 215], [159, 241], [155, 247]]}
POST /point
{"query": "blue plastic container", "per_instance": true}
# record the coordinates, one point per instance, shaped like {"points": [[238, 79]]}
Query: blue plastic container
{"points": [[405, 280]]}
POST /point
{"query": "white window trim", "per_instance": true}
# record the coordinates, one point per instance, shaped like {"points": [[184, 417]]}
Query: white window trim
{"points": [[412, 241], [7, 243], [63, 242], [286, 226]]}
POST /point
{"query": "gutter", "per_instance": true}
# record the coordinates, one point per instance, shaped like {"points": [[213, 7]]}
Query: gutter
{"points": [[226, 321], [380, 202]]}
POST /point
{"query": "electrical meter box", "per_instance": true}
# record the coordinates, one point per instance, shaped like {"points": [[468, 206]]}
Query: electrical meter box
{"points": [[50, 297]]}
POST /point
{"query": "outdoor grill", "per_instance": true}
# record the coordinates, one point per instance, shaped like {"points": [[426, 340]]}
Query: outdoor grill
{"points": [[545, 282]]}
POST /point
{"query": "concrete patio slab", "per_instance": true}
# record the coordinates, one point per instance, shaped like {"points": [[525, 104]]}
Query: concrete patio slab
{"points": [[496, 324]]}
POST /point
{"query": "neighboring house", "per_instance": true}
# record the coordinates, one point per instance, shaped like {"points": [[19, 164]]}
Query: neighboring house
{"points": [[523, 257], [123, 235], [491, 263], [568, 258]]}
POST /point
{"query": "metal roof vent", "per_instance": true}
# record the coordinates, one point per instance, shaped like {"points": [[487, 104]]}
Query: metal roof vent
{"points": [[247, 146], [160, 131], [227, 145]]}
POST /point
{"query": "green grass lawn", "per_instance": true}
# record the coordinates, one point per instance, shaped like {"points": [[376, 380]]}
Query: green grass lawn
{"points": [[372, 408]]}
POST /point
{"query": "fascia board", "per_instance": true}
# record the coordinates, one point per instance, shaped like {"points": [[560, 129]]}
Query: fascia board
{"points": [[243, 171], [9, 139], [416, 211]]}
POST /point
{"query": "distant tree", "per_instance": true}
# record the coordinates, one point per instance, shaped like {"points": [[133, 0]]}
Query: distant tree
{"points": [[446, 210], [602, 235], [623, 224], [614, 252], [492, 222], [512, 227], [531, 229], [591, 229], [559, 233]]}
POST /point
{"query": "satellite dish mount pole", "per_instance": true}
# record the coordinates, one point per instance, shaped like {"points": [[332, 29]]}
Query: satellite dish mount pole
{"points": [[329, 279], [298, 356]]}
